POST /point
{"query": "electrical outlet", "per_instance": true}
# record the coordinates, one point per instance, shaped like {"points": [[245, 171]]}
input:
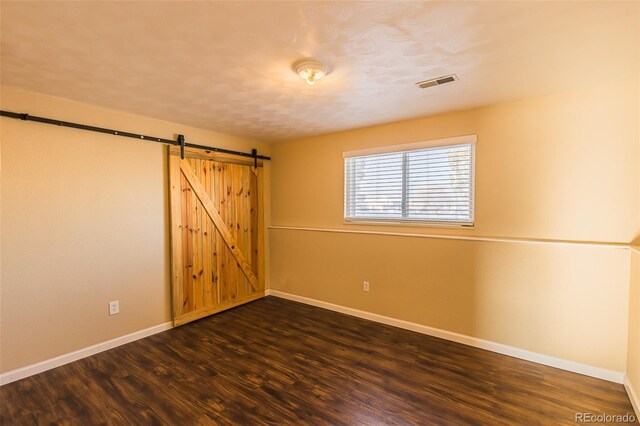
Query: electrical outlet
{"points": [[114, 307], [365, 286]]}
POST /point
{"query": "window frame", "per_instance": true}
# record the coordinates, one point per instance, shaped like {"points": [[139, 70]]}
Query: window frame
{"points": [[389, 149]]}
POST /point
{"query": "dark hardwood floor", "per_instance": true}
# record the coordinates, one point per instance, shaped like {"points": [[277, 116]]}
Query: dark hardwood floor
{"points": [[279, 362]]}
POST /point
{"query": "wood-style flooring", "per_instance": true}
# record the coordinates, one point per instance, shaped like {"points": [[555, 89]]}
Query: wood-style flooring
{"points": [[274, 362]]}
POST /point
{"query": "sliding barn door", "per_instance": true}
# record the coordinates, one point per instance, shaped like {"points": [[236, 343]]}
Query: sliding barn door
{"points": [[217, 233]]}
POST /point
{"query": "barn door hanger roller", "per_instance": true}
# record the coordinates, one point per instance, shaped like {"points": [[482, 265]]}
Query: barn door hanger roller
{"points": [[181, 142]]}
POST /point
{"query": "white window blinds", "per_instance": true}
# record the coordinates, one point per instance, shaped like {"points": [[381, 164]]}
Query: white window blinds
{"points": [[432, 185]]}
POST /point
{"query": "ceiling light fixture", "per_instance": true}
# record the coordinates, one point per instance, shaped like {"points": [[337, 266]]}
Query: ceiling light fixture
{"points": [[310, 70]]}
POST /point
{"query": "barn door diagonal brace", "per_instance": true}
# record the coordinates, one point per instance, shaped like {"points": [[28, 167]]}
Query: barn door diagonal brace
{"points": [[179, 141]]}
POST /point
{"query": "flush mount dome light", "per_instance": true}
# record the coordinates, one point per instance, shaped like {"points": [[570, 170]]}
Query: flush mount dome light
{"points": [[310, 70]]}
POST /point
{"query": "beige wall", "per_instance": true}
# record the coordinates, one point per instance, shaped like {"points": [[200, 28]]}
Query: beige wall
{"points": [[633, 355], [560, 167], [545, 299], [84, 221]]}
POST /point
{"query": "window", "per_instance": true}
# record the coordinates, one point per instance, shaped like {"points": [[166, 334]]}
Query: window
{"points": [[427, 182]]}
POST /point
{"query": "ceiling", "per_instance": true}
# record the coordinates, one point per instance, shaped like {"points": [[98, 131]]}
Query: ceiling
{"points": [[226, 66]]}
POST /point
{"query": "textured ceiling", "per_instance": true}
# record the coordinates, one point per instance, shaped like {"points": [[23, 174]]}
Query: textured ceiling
{"points": [[226, 66]]}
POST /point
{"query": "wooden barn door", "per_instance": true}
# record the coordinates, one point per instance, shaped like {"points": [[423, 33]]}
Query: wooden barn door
{"points": [[217, 259]]}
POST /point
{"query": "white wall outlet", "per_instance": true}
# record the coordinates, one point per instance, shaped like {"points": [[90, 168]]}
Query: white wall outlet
{"points": [[114, 307], [365, 286]]}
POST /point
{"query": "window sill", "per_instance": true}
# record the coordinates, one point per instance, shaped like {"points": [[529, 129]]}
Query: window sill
{"points": [[408, 223]]}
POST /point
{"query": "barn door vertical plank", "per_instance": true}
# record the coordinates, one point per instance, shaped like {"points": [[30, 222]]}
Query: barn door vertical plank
{"points": [[218, 241], [215, 243], [187, 252], [253, 221], [175, 188], [231, 224], [237, 273], [261, 247], [245, 227], [224, 279], [195, 205], [230, 264], [199, 243], [207, 250], [237, 194]]}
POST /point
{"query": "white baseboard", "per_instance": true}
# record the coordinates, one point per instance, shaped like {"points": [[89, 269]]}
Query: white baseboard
{"points": [[633, 396], [30, 370], [587, 370]]}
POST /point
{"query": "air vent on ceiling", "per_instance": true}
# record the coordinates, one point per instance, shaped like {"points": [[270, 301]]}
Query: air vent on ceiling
{"points": [[436, 81]]}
